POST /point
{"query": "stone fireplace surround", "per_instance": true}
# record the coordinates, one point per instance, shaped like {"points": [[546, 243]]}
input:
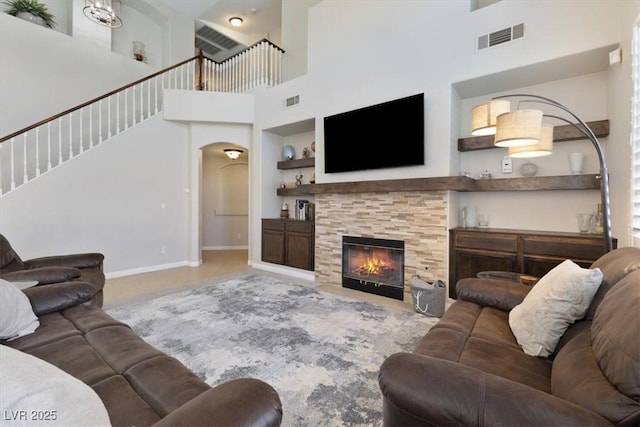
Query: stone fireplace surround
{"points": [[417, 217]]}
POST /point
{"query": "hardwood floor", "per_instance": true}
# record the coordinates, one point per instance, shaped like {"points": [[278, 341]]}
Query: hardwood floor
{"points": [[217, 266]]}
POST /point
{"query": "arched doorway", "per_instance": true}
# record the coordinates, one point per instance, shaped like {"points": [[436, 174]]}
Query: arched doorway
{"points": [[224, 209]]}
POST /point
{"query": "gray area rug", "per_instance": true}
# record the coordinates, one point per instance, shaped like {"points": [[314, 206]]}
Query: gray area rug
{"points": [[321, 352]]}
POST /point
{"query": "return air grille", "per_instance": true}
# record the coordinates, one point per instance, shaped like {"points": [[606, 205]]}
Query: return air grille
{"points": [[207, 47], [215, 37], [499, 37]]}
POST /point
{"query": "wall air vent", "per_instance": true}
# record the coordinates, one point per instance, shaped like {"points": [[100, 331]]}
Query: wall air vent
{"points": [[291, 101], [500, 36]]}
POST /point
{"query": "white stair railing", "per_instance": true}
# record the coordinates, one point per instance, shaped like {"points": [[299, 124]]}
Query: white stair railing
{"points": [[258, 65], [43, 146]]}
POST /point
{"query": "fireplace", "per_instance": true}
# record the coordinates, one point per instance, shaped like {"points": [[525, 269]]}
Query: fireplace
{"points": [[373, 265]]}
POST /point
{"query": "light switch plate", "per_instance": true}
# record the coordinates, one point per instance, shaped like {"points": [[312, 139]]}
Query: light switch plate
{"points": [[507, 164]]}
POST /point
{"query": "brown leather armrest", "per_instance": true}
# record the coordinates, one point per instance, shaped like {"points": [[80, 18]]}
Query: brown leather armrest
{"points": [[56, 297], [88, 260], [423, 390], [500, 294], [238, 403], [44, 275]]}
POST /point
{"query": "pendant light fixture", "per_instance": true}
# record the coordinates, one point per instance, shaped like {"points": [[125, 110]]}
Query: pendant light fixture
{"points": [[103, 12]]}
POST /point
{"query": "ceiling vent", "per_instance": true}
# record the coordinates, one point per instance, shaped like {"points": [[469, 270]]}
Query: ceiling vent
{"points": [[207, 48], [214, 44], [499, 37]]}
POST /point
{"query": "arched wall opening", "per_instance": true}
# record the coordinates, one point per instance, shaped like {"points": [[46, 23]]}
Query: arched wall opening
{"points": [[212, 204], [225, 198]]}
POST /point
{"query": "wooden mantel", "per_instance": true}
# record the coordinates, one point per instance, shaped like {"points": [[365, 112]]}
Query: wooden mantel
{"points": [[450, 183]]}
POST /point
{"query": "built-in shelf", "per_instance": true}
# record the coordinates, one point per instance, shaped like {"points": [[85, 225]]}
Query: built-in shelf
{"points": [[451, 183], [297, 163], [560, 133]]}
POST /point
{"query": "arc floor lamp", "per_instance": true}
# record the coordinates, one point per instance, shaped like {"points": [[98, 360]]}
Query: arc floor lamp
{"points": [[523, 132]]}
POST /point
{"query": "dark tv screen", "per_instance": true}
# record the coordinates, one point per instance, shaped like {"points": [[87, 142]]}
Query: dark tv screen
{"points": [[386, 135]]}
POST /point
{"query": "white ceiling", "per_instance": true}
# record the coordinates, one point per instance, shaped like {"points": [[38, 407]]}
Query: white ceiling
{"points": [[260, 16]]}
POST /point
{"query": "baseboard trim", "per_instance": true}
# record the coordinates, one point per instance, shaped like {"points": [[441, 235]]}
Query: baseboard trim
{"points": [[224, 248], [287, 271], [131, 272]]}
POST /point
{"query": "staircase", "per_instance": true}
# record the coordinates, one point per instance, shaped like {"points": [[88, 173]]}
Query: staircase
{"points": [[33, 151]]}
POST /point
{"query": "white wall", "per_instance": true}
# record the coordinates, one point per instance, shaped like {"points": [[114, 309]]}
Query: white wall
{"points": [[294, 37], [352, 63], [43, 72], [125, 198]]}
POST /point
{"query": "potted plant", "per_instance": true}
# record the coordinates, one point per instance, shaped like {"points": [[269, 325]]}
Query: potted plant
{"points": [[31, 10]]}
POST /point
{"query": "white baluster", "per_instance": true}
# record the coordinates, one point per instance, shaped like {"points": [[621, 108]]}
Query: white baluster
{"points": [[59, 140], [100, 122], [80, 138], [49, 146], [24, 152], [141, 101], [70, 136], [109, 117], [126, 107], [156, 93], [91, 126], [38, 151], [13, 165], [148, 98], [133, 105]]}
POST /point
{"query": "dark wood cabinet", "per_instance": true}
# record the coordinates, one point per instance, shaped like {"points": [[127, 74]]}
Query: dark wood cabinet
{"points": [[288, 242], [529, 252]]}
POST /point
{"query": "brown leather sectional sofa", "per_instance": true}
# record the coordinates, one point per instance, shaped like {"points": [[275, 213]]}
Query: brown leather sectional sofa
{"points": [[469, 369], [138, 384], [85, 267]]}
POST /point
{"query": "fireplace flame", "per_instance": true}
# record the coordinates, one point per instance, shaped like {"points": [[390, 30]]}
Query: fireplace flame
{"points": [[373, 266]]}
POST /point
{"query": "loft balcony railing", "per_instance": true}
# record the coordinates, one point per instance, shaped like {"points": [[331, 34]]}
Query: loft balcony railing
{"points": [[45, 145]]}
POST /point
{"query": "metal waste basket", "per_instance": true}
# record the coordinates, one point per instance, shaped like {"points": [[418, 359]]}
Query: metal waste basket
{"points": [[428, 297]]}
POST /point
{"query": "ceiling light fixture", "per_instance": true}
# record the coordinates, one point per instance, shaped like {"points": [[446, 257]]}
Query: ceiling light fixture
{"points": [[233, 153], [236, 21], [103, 12], [524, 129]]}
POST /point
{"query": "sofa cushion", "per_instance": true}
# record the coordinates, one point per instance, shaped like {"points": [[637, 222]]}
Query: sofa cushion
{"points": [[34, 391], [480, 337], [608, 354], [16, 315], [9, 259], [614, 266], [559, 298]]}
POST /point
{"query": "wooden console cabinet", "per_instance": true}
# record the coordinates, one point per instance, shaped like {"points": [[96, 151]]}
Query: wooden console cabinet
{"points": [[473, 250], [288, 242]]}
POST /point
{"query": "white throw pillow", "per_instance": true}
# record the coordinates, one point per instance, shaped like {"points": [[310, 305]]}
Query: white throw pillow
{"points": [[559, 298], [35, 392], [16, 315]]}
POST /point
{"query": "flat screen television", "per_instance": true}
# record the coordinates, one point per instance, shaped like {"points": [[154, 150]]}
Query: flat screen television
{"points": [[386, 135]]}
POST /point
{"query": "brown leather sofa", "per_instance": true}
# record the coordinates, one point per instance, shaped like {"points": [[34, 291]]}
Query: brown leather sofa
{"points": [[469, 370], [86, 267], [138, 384]]}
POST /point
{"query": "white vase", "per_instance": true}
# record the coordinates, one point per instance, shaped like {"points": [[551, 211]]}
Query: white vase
{"points": [[28, 16]]}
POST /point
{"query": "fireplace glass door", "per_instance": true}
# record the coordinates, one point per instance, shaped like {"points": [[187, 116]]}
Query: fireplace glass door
{"points": [[373, 265]]}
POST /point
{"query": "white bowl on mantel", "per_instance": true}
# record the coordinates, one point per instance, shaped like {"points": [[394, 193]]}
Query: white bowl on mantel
{"points": [[529, 169], [28, 16]]}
